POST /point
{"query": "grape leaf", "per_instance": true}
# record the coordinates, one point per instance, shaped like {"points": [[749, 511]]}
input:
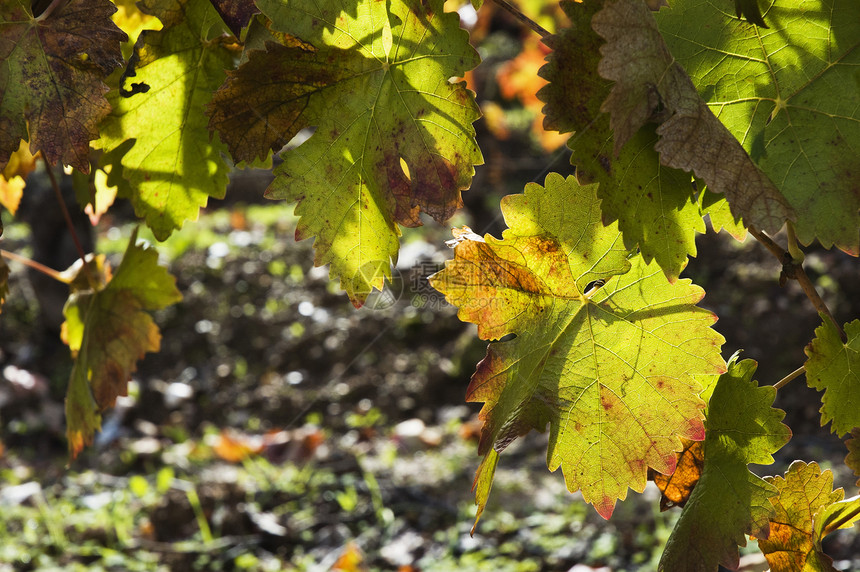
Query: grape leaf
{"points": [[852, 459], [792, 544], [653, 204], [51, 78], [676, 488], [842, 514], [651, 86], [729, 501], [784, 93], [834, 367], [609, 368], [400, 142], [173, 166], [720, 214], [108, 330]]}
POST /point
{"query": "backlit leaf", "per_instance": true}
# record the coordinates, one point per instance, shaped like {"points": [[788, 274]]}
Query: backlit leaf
{"points": [[677, 487], [610, 367], [651, 86], [834, 367], [400, 141], [792, 544], [729, 501], [51, 78], [653, 204], [175, 165], [789, 95], [108, 330]]}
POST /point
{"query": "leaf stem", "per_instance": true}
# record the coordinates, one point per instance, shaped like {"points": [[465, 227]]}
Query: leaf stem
{"points": [[793, 375], [793, 249], [69, 223], [518, 14], [52, 7], [35, 266], [792, 268]]}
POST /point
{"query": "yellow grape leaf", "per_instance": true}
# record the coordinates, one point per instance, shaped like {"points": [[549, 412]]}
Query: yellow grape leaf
{"points": [[792, 543], [677, 487], [108, 329], [606, 350]]}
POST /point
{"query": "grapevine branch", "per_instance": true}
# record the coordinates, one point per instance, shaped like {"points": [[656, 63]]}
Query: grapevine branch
{"points": [[69, 223], [793, 375], [56, 275], [518, 14], [792, 268]]}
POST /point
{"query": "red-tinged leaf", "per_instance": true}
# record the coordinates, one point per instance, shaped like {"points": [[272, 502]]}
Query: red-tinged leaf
{"points": [[833, 366], [792, 543], [51, 78], [852, 459], [399, 143], [729, 501], [108, 329], [610, 368], [677, 487]]}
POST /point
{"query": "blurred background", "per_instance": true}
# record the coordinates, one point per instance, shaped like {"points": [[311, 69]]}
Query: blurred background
{"points": [[281, 429]]}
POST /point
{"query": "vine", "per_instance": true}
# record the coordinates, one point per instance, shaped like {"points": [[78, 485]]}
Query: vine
{"points": [[679, 113]]}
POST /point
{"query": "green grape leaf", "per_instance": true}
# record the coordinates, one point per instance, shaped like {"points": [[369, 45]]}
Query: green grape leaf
{"points": [[653, 204], [842, 514], [108, 329], [741, 427], [852, 459], [720, 214], [175, 164], [51, 78], [609, 367], [834, 367], [651, 86], [792, 543], [400, 140], [786, 94]]}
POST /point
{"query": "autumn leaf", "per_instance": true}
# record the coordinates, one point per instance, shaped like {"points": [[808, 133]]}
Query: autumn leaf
{"points": [[676, 488], [792, 543], [13, 178], [651, 87], [779, 92], [108, 330], [729, 501], [400, 142], [52, 78], [609, 367], [653, 204], [174, 165], [834, 367]]}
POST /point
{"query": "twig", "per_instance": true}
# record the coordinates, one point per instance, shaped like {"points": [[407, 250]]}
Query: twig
{"points": [[517, 13], [69, 223], [793, 249], [35, 266], [793, 375], [793, 269]]}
